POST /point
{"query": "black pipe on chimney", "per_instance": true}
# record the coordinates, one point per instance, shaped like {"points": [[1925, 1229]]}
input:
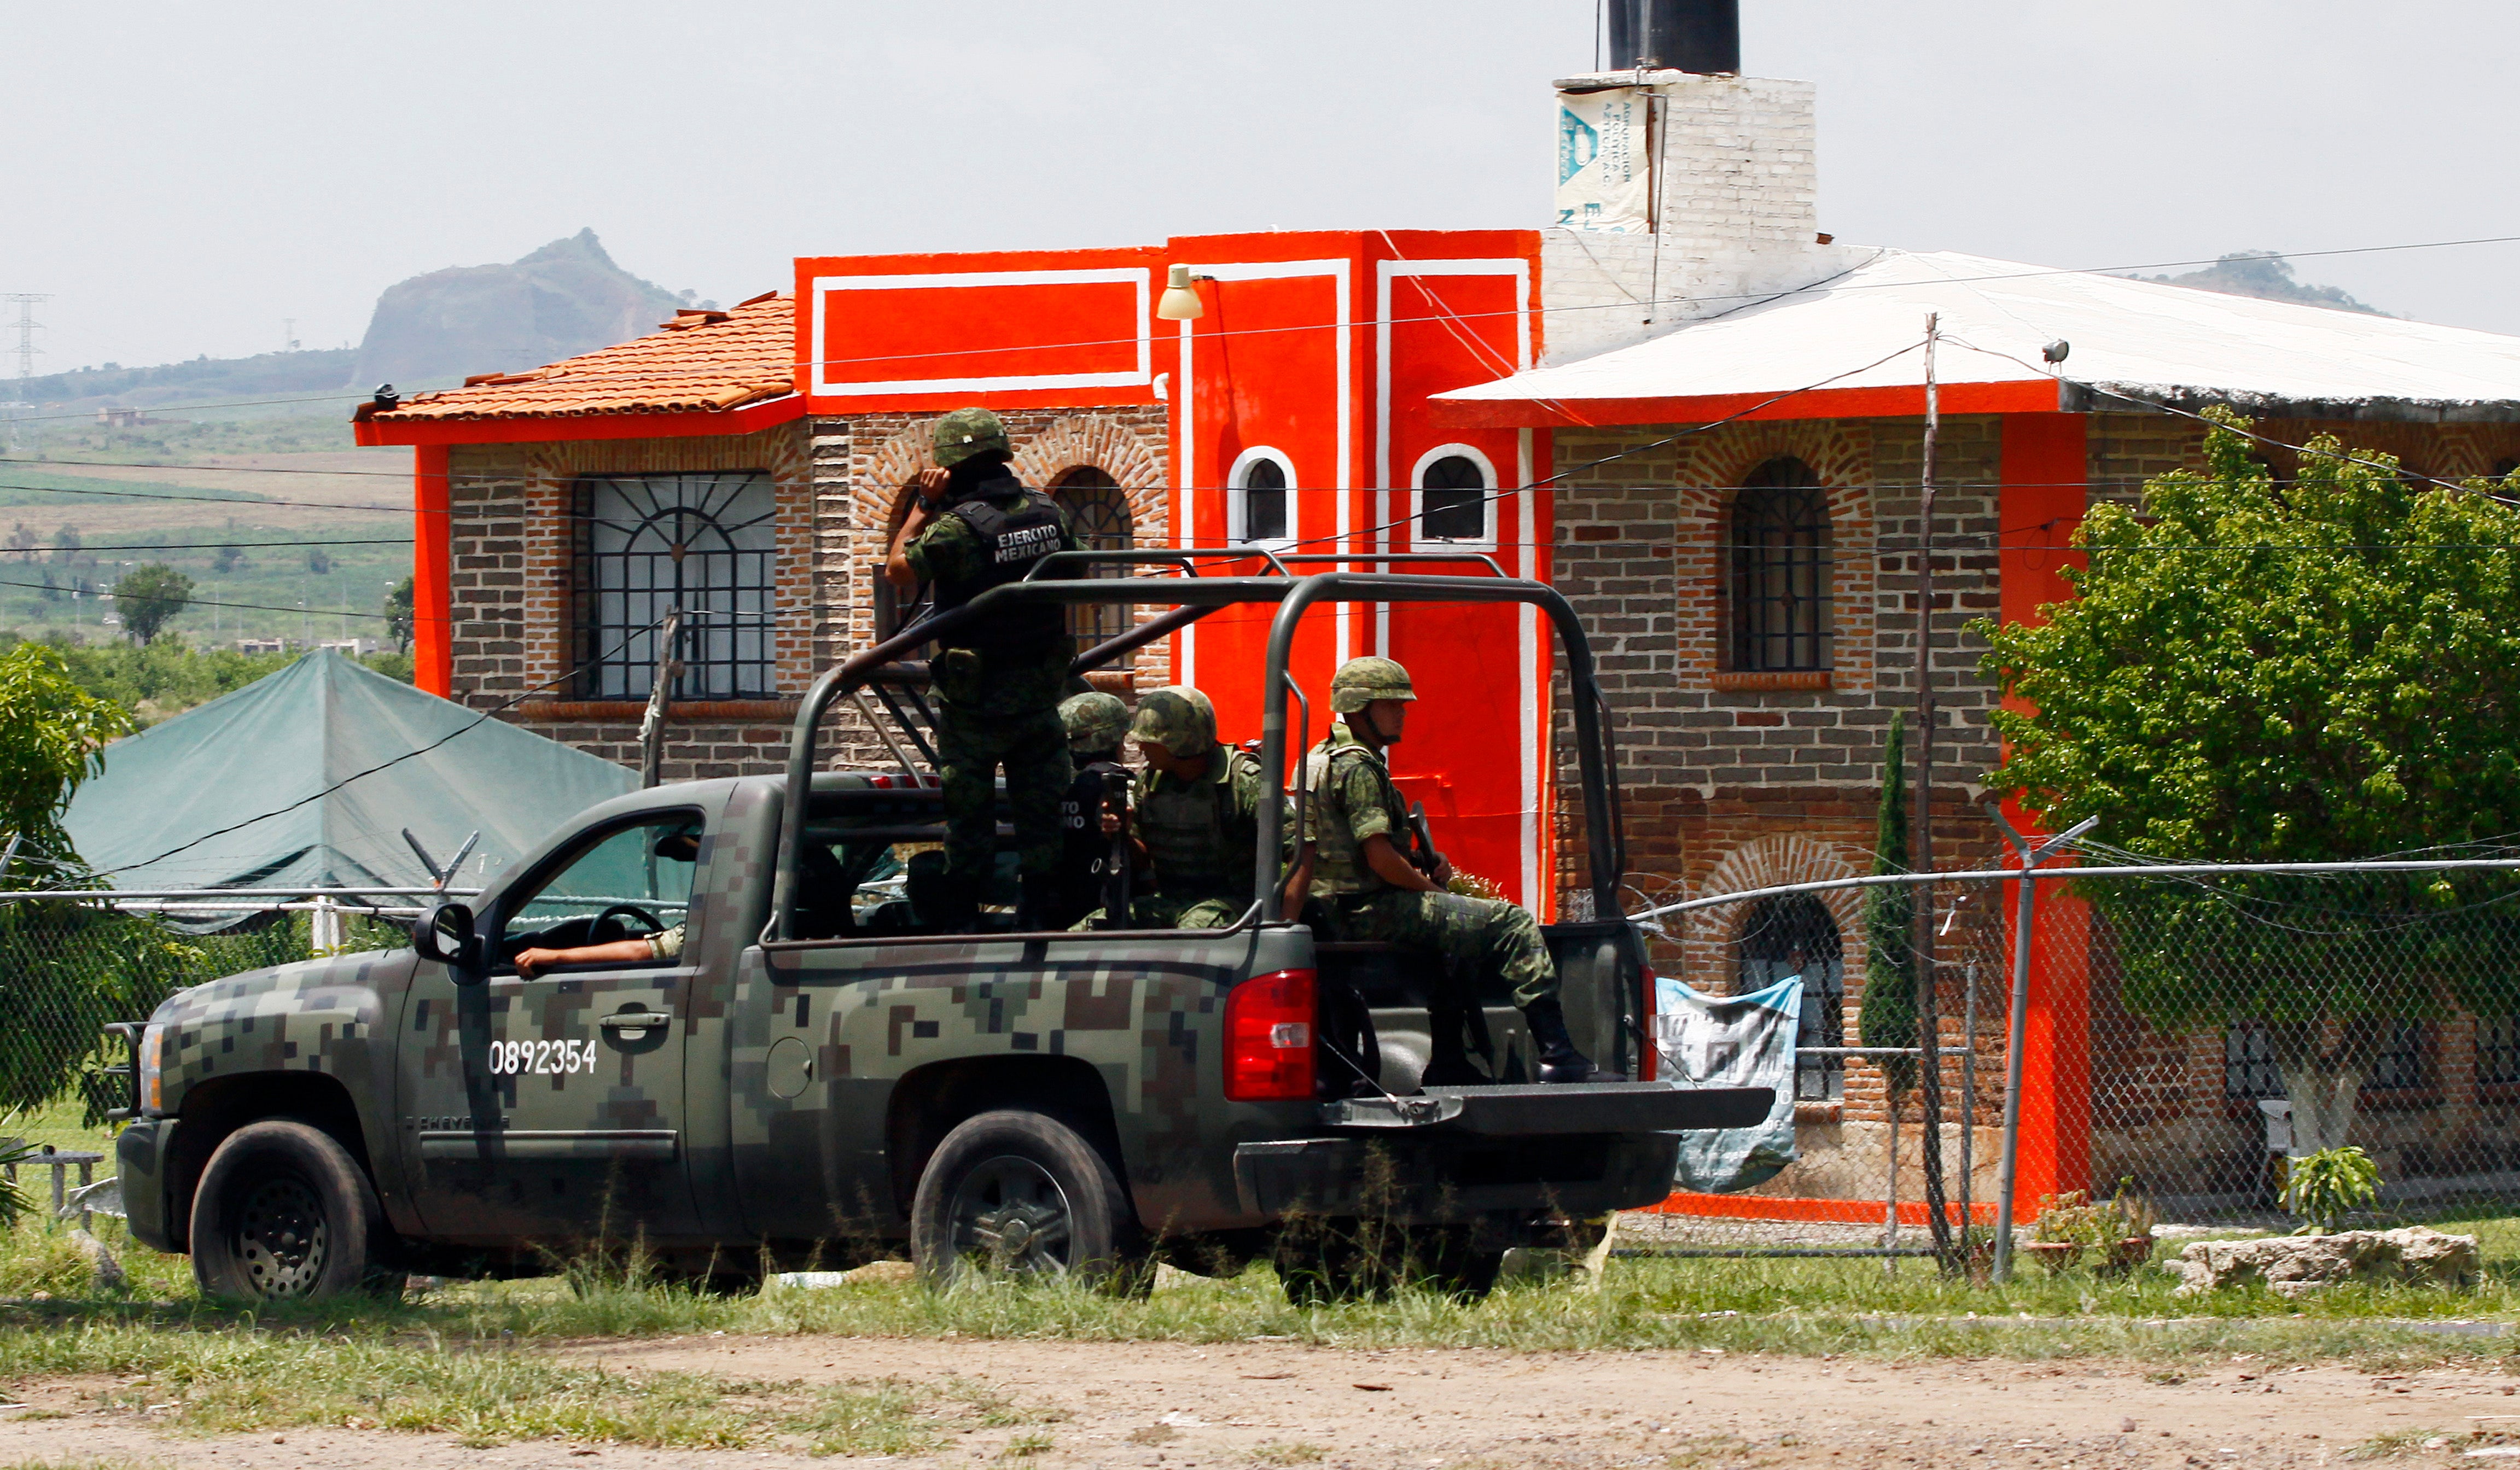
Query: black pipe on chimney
{"points": [[1704, 36]]}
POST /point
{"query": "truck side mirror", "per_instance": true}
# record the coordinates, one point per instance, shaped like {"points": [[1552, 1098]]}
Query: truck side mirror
{"points": [[445, 934]]}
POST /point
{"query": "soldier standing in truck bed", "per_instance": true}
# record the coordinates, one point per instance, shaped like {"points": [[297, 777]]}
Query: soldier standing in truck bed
{"points": [[998, 684], [1356, 824]]}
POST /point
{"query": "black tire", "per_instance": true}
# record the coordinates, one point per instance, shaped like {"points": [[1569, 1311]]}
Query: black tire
{"points": [[282, 1213], [1021, 1194]]}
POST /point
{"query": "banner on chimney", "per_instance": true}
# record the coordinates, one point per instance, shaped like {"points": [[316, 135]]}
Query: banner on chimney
{"points": [[1604, 163]]}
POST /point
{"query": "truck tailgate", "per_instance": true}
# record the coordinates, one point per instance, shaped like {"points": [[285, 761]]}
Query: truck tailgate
{"points": [[1589, 1107]]}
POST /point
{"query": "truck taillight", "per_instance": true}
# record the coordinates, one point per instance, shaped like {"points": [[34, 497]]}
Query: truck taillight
{"points": [[1648, 1056], [1269, 1038]]}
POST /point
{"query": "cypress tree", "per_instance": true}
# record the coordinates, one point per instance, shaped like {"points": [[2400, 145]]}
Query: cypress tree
{"points": [[1888, 1016]]}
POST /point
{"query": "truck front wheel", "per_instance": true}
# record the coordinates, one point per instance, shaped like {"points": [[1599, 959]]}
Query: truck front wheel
{"points": [[284, 1213], [1021, 1194]]}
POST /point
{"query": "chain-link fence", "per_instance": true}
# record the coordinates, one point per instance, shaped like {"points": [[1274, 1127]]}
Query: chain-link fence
{"points": [[71, 966], [2181, 1031]]}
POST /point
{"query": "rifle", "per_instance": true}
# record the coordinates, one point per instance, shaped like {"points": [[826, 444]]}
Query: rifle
{"points": [[1117, 788], [1421, 851]]}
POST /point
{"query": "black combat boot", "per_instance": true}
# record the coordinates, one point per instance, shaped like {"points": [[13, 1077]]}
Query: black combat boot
{"points": [[1037, 908], [1560, 1062]]}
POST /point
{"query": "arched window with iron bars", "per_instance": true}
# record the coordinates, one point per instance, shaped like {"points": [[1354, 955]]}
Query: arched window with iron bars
{"points": [[706, 544], [1780, 536], [1098, 512], [1792, 936]]}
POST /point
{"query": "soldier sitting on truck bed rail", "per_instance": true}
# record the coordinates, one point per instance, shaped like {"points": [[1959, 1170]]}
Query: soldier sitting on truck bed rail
{"points": [[1374, 893], [1198, 816]]}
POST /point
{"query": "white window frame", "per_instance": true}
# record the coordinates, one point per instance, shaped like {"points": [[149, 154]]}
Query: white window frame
{"points": [[1236, 508], [1418, 536]]}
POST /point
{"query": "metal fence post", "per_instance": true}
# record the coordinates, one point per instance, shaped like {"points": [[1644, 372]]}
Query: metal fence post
{"points": [[2025, 911], [326, 934], [1969, 1114], [2008, 1152]]}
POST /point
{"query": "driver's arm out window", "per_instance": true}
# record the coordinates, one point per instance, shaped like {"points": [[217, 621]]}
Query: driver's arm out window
{"points": [[632, 882]]}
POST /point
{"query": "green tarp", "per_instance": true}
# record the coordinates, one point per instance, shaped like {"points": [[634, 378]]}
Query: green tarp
{"points": [[280, 742]]}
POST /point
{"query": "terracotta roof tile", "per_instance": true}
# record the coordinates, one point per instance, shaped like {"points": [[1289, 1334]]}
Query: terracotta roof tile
{"points": [[699, 362]]}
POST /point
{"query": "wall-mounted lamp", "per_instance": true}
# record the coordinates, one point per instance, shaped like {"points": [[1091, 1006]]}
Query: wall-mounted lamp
{"points": [[1180, 303]]}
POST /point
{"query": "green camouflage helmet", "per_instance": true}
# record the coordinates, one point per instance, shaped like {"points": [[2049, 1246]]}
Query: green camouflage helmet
{"points": [[1094, 722], [1360, 682], [968, 431], [1178, 718]]}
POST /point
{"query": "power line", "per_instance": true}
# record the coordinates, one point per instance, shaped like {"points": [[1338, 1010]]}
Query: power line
{"points": [[397, 475], [1655, 303], [97, 546], [462, 730], [215, 602]]}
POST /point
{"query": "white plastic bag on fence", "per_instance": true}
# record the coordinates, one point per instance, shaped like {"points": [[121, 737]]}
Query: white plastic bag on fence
{"points": [[1731, 1042]]}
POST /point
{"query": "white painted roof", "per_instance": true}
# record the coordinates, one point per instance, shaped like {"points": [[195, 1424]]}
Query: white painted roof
{"points": [[2164, 344]]}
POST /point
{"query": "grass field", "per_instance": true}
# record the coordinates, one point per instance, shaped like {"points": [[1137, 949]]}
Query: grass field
{"points": [[271, 489], [1797, 1305], [497, 1362]]}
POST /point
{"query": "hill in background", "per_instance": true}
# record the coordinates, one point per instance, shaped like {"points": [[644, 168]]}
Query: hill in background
{"points": [[566, 298], [2269, 276]]}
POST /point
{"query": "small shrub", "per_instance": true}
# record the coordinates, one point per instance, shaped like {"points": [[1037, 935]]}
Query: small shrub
{"points": [[2324, 1187]]}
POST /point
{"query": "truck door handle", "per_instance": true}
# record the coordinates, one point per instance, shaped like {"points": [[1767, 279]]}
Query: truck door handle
{"points": [[634, 1021]]}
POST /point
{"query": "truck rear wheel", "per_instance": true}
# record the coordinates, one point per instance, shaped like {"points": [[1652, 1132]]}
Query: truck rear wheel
{"points": [[284, 1213], [1017, 1192]]}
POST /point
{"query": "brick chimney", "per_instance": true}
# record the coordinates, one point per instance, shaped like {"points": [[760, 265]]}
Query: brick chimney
{"points": [[1680, 196]]}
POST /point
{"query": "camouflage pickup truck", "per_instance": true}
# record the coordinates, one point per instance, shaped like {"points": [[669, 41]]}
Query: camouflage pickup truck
{"points": [[817, 1074]]}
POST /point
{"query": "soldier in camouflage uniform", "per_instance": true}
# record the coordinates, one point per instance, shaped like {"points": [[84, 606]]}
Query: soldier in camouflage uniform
{"points": [[998, 685], [1097, 724], [1197, 827], [1357, 824]]}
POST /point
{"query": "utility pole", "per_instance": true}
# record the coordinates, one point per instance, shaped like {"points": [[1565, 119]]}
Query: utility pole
{"points": [[652, 729], [1930, 1073]]}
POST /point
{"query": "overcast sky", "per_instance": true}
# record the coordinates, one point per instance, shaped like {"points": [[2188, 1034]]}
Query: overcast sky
{"points": [[182, 178]]}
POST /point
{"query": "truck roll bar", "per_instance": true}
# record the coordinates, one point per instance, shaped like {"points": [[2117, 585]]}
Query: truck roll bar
{"points": [[1195, 598]]}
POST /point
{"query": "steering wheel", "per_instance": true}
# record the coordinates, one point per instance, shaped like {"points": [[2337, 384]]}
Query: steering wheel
{"points": [[596, 930]]}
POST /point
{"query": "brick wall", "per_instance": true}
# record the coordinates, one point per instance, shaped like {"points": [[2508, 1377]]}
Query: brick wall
{"points": [[517, 583], [1711, 755], [1737, 781]]}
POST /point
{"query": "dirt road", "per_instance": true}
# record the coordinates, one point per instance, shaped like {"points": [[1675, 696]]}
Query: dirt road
{"points": [[1181, 1407]]}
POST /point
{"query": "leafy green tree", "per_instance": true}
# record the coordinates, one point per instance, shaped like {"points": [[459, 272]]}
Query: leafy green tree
{"points": [[148, 597], [1888, 1016], [399, 614], [164, 678], [2319, 669], [50, 733]]}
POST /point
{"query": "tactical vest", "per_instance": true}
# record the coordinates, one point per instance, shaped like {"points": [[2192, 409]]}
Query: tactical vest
{"points": [[1338, 862], [1011, 541], [1184, 824]]}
